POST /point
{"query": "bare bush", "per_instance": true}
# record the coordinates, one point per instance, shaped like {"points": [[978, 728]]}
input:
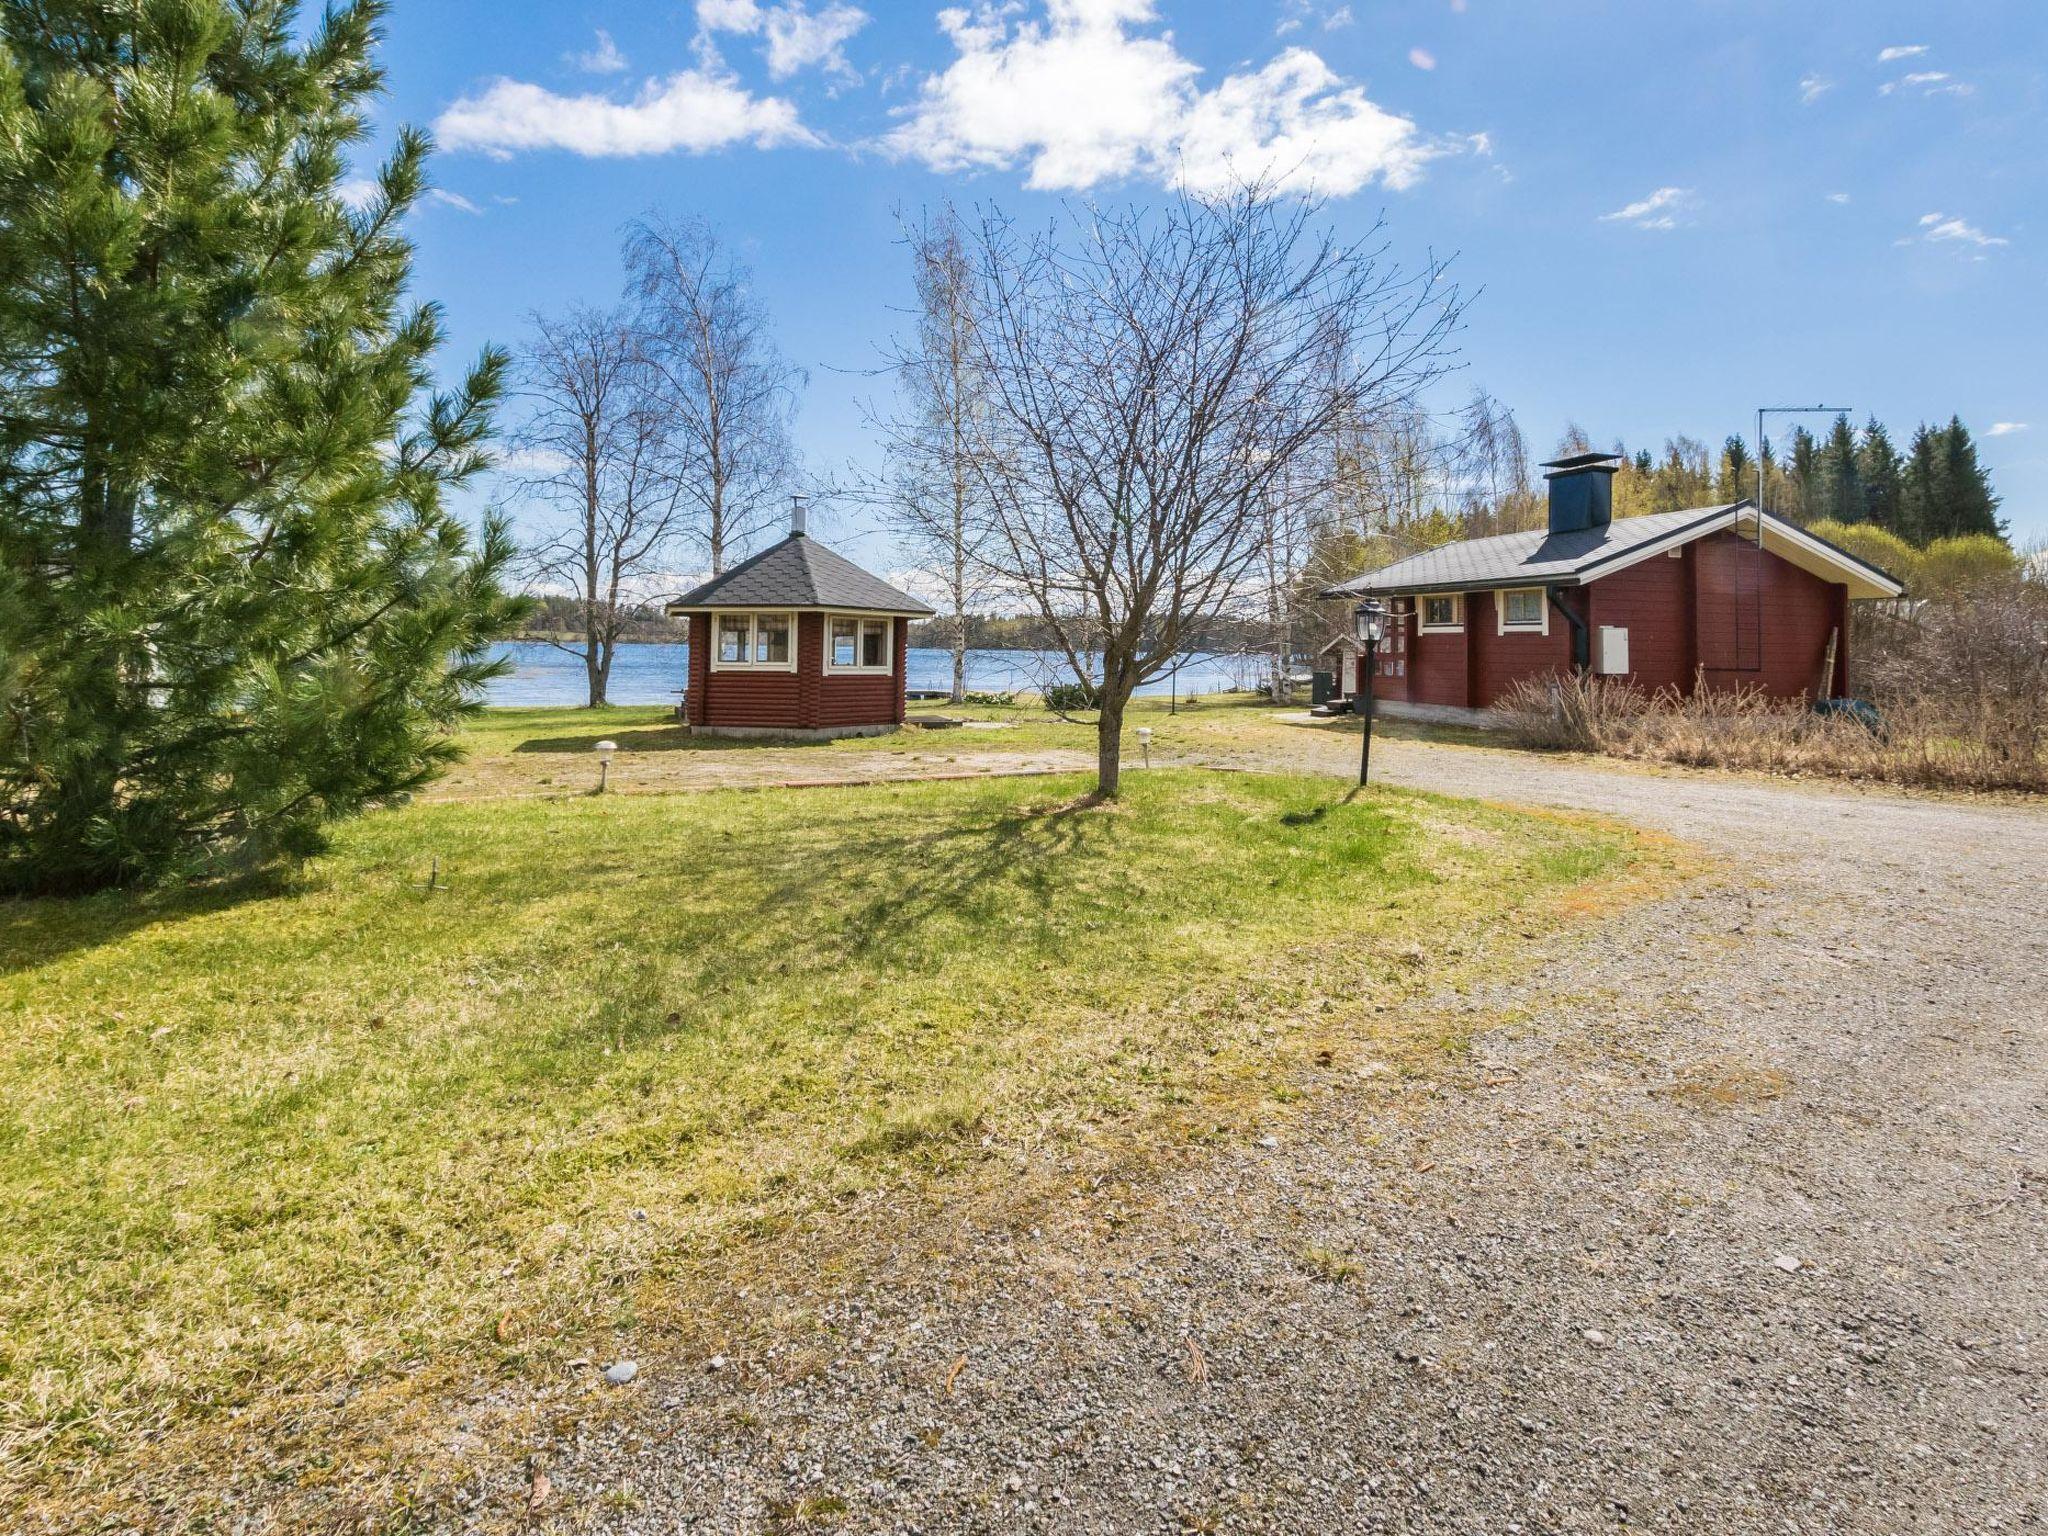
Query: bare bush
{"points": [[1968, 711]]}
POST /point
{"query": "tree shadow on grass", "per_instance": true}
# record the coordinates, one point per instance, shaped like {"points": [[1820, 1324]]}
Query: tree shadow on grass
{"points": [[39, 931]]}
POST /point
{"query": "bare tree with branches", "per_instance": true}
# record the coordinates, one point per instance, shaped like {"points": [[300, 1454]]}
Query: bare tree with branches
{"points": [[601, 451], [1154, 377], [931, 493], [728, 389]]}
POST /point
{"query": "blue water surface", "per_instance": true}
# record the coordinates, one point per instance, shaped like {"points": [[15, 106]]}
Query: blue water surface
{"points": [[543, 675]]}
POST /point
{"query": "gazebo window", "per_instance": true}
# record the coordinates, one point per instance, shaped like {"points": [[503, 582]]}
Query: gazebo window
{"points": [[859, 645], [754, 641]]}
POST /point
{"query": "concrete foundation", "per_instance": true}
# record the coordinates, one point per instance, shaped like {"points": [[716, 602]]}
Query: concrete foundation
{"points": [[792, 733]]}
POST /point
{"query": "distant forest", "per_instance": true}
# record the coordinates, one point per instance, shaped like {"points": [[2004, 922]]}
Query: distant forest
{"points": [[1416, 483], [1935, 489]]}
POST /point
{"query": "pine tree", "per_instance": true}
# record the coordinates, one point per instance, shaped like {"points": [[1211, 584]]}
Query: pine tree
{"points": [[234, 604], [1878, 472], [1737, 477], [1923, 487], [1972, 508], [1838, 491], [1794, 497]]}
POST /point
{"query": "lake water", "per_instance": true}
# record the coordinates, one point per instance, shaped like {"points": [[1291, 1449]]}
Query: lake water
{"points": [[652, 674]]}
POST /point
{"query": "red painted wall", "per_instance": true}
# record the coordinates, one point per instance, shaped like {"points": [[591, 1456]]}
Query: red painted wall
{"points": [[806, 699], [1763, 622], [1499, 661], [1436, 665], [1652, 600], [1749, 620]]}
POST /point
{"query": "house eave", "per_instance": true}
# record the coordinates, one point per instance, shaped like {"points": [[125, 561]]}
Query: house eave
{"points": [[683, 610]]}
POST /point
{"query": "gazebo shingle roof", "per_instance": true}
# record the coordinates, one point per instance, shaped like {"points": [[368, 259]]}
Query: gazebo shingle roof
{"points": [[799, 572]]}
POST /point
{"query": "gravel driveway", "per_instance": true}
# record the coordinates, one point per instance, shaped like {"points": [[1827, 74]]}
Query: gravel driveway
{"points": [[1737, 1227]]}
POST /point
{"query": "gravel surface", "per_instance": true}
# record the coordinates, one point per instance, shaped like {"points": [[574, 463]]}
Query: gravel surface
{"points": [[1732, 1222]]}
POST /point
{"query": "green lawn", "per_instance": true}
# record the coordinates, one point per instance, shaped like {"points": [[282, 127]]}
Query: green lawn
{"points": [[259, 1144]]}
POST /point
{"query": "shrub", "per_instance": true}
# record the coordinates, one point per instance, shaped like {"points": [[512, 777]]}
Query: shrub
{"points": [[991, 700], [1961, 688], [1066, 698]]}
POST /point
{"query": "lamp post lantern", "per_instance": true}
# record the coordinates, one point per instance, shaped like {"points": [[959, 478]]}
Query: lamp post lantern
{"points": [[1371, 619], [605, 749]]}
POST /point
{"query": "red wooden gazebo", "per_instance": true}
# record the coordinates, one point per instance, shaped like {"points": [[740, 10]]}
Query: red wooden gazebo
{"points": [[798, 643]]}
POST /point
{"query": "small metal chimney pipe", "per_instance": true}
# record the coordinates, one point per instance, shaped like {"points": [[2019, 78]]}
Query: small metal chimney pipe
{"points": [[798, 515], [1582, 491]]}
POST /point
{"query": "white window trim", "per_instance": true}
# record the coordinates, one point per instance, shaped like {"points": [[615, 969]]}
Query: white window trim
{"points": [[750, 665], [1500, 613], [1422, 624], [833, 669]]}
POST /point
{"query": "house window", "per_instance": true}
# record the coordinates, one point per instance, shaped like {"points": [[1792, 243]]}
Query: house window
{"points": [[771, 638], [1522, 608], [754, 642], [1446, 612], [860, 645]]}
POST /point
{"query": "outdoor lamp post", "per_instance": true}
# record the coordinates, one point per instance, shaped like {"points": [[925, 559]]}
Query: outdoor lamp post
{"points": [[1371, 618], [1145, 743], [605, 749]]}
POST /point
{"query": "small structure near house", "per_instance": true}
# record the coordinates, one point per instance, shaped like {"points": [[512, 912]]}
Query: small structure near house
{"points": [[797, 643], [1674, 599]]}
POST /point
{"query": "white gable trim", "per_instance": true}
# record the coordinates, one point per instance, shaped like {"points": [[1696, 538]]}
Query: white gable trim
{"points": [[1786, 540]]}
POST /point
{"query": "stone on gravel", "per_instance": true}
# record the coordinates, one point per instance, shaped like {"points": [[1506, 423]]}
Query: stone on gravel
{"points": [[619, 1372]]}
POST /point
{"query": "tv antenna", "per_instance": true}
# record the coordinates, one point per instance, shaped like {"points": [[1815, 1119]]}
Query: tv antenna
{"points": [[1763, 449]]}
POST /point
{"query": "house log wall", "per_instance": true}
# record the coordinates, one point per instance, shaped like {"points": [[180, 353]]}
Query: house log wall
{"points": [[1750, 620], [806, 699]]}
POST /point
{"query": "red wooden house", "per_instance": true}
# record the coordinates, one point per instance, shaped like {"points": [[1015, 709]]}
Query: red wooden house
{"points": [[797, 642], [1674, 599]]}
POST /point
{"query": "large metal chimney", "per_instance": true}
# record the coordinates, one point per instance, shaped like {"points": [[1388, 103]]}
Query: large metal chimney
{"points": [[1582, 491]]}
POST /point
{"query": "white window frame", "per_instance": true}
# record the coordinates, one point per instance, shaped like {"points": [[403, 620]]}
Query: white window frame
{"points": [[753, 616], [1500, 613], [888, 623], [1422, 624]]}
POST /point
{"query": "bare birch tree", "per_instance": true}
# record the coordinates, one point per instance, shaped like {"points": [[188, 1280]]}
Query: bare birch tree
{"points": [[601, 452], [1153, 377], [931, 494], [727, 388]]}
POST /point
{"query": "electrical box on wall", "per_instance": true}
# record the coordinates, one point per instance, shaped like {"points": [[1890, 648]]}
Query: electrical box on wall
{"points": [[1611, 659]]}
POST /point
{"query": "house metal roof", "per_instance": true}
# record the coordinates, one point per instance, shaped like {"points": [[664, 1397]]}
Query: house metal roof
{"points": [[799, 572], [1542, 558]]}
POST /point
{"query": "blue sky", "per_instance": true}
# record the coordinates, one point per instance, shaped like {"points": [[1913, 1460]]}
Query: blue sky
{"points": [[1670, 211]]}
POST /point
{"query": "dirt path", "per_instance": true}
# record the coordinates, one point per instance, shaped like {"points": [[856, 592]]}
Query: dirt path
{"points": [[1738, 1227]]}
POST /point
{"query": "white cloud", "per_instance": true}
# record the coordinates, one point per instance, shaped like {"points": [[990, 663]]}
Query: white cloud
{"points": [[1813, 87], [1909, 51], [1665, 208], [602, 59], [1938, 228], [1422, 58], [794, 37], [453, 200], [532, 461], [2006, 428], [1081, 97], [358, 192], [695, 110], [1340, 17], [1838, 197], [1928, 82]]}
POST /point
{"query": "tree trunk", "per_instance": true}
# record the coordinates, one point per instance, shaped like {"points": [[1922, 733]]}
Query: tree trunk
{"points": [[1109, 744], [960, 658]]}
